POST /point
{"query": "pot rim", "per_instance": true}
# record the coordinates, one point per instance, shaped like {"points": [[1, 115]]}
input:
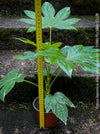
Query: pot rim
{"points": [[36, 107]]}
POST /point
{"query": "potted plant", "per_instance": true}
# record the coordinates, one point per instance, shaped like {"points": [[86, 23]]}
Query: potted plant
{"points": [[65, 57]]}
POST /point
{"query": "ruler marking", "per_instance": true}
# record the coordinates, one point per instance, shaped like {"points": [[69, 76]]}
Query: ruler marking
{"points": [[39, 60]]}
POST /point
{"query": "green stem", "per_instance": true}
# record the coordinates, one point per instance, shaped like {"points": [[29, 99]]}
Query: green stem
{"points": [[47, 90], [50, 34], [31, 83], [48, 73], [55, 72], [45, 65], [45, 79], [55, 78]]}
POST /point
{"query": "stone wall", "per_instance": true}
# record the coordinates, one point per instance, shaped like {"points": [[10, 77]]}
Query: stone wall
{"points": [[16, 7]]}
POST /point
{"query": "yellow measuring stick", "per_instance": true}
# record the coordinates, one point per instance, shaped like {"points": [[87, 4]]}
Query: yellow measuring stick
{"points": [[39, 61]]}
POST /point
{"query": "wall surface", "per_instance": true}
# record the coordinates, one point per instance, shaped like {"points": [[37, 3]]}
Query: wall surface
{"points": [[80, 7]]}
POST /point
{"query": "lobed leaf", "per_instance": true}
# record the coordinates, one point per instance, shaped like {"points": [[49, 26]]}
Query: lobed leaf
{"points": [[29, 21], [31, 29], [63, 99], [90, 68], [66, 66], [68, 55], [49, 19], [71, 21], [48, 10], [63, 13], [8, 82], [57, 103], [27, 56], [85, 56], [30, 14], [60, 26]]}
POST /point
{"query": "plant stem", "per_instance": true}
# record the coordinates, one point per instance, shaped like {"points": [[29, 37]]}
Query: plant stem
{"points": [[47, 81], [31, 83], [55, 78], [45, 66], [50, 34], [55, 72]]}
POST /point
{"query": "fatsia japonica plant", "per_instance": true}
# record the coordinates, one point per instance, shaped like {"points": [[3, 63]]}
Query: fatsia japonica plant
{"points": [[65, 58]]}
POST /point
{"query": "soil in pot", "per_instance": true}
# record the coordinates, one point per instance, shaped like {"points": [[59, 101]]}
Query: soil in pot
{"points": [[50, 119]]}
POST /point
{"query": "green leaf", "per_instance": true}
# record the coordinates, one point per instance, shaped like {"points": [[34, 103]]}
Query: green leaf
{"points": [[49, 20], [58, 21], [57, 105], [48, 102], [6, 89], [52, 53], [54, 56], [60, 26], [8, 82], [56, 45], [20, 78], [31, 29], [91, 48], [61, 112], [85, 56], [65, 50], [89, 68], [68, 55], [27, 41], [61, 98], [63, 13], [30, 14], [29, 21], [66, 66], [74, 51], [46, 60], [48, 10], [27, 56], [47, 45], [71, 21]]}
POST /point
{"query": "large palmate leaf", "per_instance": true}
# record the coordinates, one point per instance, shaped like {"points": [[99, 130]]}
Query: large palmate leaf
{"points": [[85, 56], [57, 103], [27, 56], [7, 83], [59, 20], [49, 19], [54, 56], [68, 55]]}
